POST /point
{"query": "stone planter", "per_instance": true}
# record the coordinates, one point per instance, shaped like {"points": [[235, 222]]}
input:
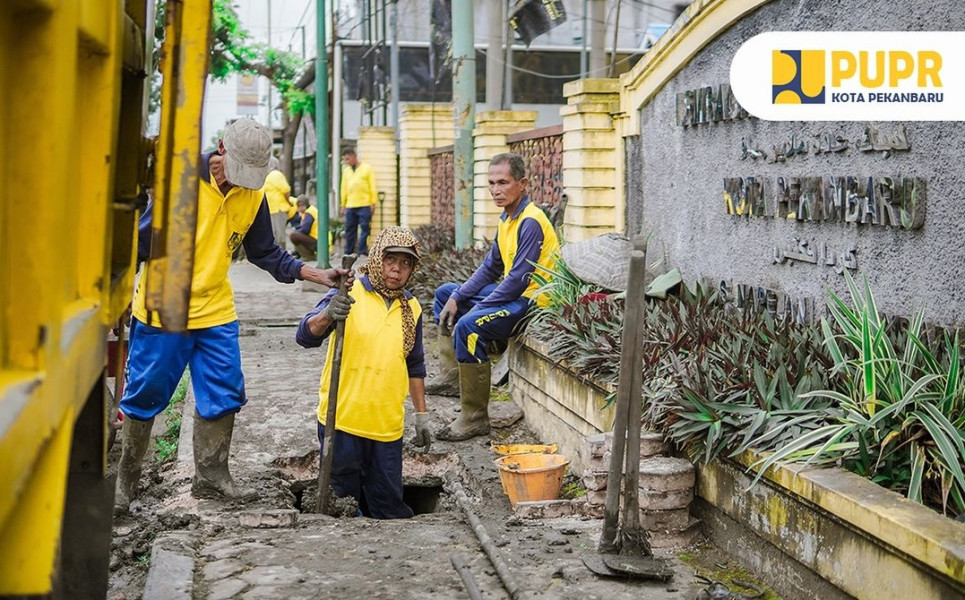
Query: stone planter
{"points": [[813, 533]]}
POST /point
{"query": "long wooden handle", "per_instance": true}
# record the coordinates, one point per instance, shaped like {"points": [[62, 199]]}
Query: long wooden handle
{"points": [[325, 470], [630, 376]]}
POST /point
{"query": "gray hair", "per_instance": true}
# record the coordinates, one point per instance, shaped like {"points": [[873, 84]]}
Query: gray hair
{"points": [[517, 165]]}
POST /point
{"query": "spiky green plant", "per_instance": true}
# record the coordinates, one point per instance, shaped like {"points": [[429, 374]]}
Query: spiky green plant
{"points": [[899, 417]]}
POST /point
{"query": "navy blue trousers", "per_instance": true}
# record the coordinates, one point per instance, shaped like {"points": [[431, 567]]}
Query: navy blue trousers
{"points": [[357, 219], [370, 472], [476, 326]]}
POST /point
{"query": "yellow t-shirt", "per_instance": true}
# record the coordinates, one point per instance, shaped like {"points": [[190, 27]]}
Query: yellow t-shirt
{"points": [[223, 222], [277, 191], [358, 186], [374, 378]]}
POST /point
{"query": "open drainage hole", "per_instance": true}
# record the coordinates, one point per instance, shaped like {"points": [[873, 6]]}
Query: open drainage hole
{"points": [[422, 499]]}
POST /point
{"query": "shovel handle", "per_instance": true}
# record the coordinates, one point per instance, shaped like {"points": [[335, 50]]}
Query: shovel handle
{"points": [[328, 444]]}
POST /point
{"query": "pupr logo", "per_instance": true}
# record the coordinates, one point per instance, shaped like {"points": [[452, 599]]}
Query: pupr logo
{"points": [[797, 76], [851, 76]]}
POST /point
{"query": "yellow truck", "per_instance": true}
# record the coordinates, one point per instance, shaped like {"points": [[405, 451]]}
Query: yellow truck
{"points": [[73, 161]]}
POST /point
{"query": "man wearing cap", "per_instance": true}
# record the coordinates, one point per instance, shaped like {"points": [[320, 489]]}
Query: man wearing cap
{"points": [[382, 362], [232, 211]]}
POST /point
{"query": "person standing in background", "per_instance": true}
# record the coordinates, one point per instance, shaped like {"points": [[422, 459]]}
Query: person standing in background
{"points": [[278, 193], [359, 197]]}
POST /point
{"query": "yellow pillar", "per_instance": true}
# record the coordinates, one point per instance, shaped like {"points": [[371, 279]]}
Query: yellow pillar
{"points": [[590, 158], [489, 139], [421, 127], [376, 146]]}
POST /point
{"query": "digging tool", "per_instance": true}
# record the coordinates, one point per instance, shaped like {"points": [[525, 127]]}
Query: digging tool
{"points": [[630, 367], [631, 541], [325, 470]]}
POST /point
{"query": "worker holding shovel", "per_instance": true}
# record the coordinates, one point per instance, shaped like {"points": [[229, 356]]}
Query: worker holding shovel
{"points": [[382, 362]]}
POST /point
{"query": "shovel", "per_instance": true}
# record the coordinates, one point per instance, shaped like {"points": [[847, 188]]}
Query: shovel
{"points": [[328, 444]]}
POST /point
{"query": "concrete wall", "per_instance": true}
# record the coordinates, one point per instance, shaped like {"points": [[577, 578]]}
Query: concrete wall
{"points": [[816, 533], [560, 408], [421, 126], [675, 175], [489, 139], [376, 146]]}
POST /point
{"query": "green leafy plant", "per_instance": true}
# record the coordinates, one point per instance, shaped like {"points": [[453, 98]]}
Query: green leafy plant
{"points": [[899, 416], [167, 443]]}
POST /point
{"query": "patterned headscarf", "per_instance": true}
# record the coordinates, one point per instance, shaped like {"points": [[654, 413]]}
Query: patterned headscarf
{"points": [[388, 238]]}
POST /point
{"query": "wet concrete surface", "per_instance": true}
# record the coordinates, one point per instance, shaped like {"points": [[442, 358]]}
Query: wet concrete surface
{"points": [[272, 548]]}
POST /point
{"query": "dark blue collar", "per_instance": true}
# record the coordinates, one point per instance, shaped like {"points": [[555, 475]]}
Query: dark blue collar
{"points": [[519, 209]]}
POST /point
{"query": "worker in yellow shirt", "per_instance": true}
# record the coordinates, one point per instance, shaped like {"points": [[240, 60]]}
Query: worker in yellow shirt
{"points": [[278, 193], [382, 362], [305, 236], [359, 197]]}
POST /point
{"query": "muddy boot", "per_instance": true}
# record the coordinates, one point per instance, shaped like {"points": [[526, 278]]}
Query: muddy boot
{"points": [[474, 396], [135, 436], [212, 441], [446, 383]]}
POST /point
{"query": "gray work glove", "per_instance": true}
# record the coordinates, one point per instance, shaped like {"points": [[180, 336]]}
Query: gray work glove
{"points": [[338, 308], [447, 316], [422, 439]]}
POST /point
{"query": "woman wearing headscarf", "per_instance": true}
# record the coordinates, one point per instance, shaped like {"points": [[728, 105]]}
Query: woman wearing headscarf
{"points": [[382, 362]]}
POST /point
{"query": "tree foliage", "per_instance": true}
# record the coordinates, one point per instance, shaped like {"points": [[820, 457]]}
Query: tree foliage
{"points": [[233, 51]]}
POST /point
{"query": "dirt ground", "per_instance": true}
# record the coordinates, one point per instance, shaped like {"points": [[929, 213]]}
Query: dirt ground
{"points": [[274, 547]]}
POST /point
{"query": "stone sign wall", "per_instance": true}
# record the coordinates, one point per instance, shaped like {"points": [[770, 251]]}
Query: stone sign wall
{"points": [[774, 213]]}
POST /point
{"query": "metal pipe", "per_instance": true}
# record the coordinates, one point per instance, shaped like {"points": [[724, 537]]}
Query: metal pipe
{"points": [[322, 183], [459, 564], [488, 546], [464, 114]]}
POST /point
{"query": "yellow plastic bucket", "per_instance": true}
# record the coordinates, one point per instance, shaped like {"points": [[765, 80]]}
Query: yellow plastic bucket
{"points": [[531, 477], [510, 449]]}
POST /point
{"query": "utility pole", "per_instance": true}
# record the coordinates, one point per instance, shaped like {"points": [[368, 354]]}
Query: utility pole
{"points": [[321, 135], [464, 113], [270, 130], [597, 38], [494, 66], [508, 77], [616, 39], [584, 55], [394, 69]]}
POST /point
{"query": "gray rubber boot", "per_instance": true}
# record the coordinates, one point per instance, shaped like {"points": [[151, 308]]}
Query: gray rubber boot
{"points": [[446, 382], [212, 441], [473, 420], [135, 436]]}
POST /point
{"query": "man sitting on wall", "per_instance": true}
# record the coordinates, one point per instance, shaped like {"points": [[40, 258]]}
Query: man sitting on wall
{"points": [[492, 302], [305, 237]]}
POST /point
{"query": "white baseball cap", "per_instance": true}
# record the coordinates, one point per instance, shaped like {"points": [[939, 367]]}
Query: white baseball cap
{"points": [[247, 145]]}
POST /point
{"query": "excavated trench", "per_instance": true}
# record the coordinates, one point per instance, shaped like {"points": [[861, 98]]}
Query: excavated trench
{"points": [[423, 476]]}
